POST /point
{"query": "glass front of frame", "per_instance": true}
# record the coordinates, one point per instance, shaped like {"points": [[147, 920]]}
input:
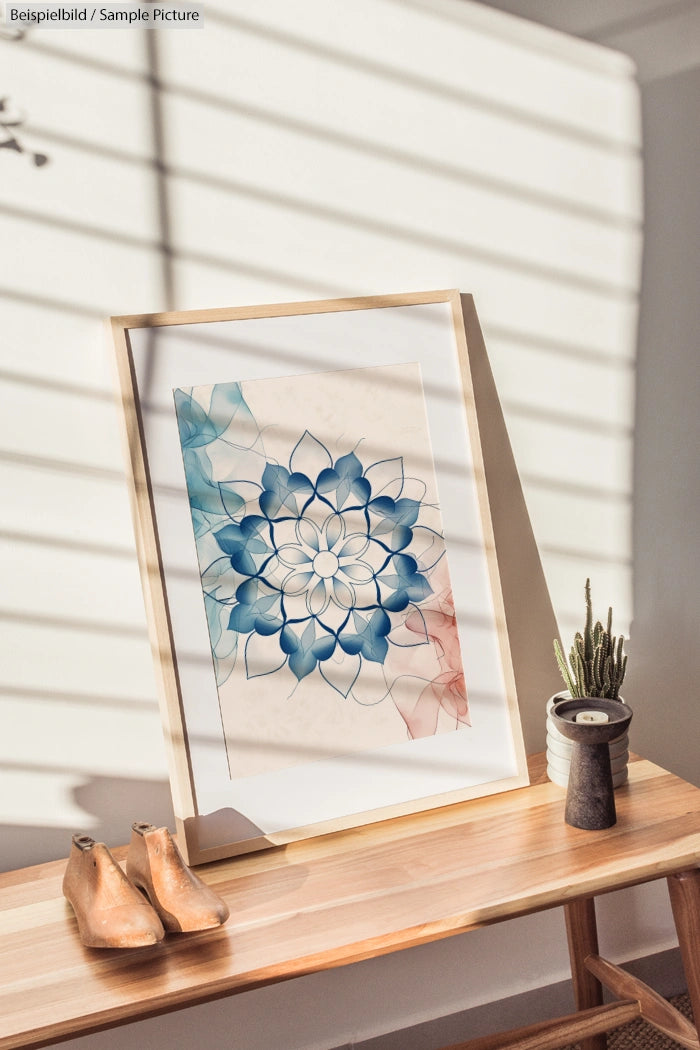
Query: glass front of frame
{"points": [[326, 564]]}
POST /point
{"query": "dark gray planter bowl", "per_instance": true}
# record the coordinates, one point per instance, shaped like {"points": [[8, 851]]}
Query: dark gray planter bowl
{"points": [[590, 796]]}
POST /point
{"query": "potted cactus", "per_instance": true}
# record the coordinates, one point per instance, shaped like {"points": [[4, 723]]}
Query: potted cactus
{"points": [[595, 667]]}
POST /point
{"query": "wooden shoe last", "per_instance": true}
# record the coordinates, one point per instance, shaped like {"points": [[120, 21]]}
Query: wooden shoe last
{"points": [[110, 912], [183, 902]]}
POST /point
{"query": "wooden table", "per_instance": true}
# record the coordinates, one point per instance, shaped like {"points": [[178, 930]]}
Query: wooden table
{"points": [[357, 894]]}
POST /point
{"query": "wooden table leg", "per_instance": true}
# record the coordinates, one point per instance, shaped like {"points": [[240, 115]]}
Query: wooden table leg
{"points": [[582, 935], [684, 891]]}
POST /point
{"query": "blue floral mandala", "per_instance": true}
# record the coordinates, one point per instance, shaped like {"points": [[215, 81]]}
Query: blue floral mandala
{"points": [[317, 563]]}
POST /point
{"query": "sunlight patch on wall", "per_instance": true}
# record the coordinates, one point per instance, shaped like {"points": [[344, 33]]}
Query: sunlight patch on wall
{"points": [[33, 798]]}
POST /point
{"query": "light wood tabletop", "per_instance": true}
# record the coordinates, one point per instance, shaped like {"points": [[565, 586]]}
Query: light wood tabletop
{"points": [[340, 898]]}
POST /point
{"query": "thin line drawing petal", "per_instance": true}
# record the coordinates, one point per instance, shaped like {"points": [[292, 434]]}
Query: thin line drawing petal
{"points": [[322, 565]]}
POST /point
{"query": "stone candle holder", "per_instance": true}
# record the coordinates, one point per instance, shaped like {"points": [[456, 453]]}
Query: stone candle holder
{"points": [[590, 798]]}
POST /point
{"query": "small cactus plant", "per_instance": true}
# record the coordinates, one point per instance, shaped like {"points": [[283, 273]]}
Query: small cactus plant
{"points": [[597, 663]]}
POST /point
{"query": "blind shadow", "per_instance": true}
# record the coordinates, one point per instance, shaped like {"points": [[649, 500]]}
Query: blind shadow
{"points": [[37, 450]]}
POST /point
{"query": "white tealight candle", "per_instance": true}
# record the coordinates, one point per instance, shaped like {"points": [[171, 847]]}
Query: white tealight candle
{"points": [[591, 716]]}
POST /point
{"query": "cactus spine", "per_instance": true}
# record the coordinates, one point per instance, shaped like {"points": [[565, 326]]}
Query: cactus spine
{"points": [[597, 663]]}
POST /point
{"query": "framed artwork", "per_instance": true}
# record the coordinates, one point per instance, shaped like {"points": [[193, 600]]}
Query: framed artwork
{"points": [[318, 564]]}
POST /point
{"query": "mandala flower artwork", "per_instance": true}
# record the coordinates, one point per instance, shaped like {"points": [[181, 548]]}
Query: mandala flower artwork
{"points": [[324, 564]]}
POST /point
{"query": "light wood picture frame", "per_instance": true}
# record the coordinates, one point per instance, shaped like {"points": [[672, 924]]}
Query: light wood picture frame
{"points": [[318, 565]]}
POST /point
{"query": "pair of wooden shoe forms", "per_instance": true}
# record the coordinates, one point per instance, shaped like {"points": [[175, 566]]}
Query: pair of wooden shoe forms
{"points": [[158, 894]]}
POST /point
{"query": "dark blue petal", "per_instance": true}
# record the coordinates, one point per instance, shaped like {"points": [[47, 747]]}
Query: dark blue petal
{"points": [[289, 643], [290, 502], [327, 480], [380, 623], [253, 523], [407, 511], [324, 648], [275, 477], [401, 536], [302, 663], [383, 527], [243, 563], [256, 545], [268, 601], [405, 565], [350, 643], [230, 500], [343, 491], [348, 466], [309, 635], [374, 648], [242, 619], [383, 505], [270, 503], [299, 482], [396, 602], [267, 624], [247, 593], [418, 588], [230, 539], [361, 489]]}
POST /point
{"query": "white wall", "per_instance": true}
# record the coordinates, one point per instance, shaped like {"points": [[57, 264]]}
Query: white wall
{"points": [[667, 431], [287, 151], [664, 42]]}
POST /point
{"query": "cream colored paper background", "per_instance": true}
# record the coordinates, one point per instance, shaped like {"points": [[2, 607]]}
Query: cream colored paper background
{"points": [[272, 720]]}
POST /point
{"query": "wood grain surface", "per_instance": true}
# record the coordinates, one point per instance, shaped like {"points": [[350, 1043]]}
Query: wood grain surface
{"points": [[336, 899]]}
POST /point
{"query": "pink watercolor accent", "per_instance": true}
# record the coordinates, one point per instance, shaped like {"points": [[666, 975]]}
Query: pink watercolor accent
{"points": [[448, 690]]}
